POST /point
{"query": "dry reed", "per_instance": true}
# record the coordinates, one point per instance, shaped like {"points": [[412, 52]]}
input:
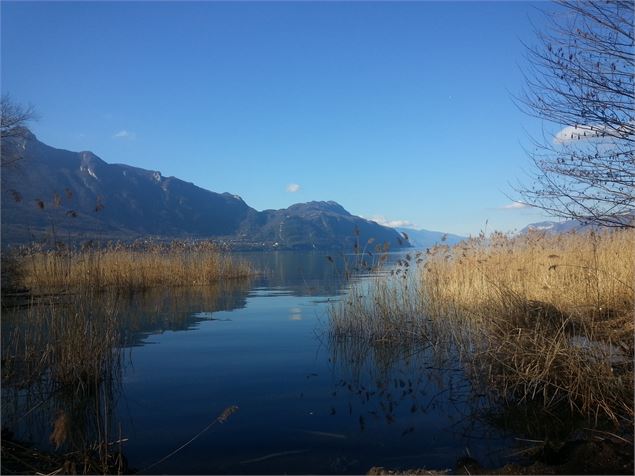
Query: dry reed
{"points": [[541, 316], [534, 317], [380, 311], [62, 359], [127, 267], [73, 344]]}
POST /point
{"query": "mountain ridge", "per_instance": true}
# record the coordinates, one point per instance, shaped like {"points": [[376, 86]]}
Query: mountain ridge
{"points": [[78, 195]]}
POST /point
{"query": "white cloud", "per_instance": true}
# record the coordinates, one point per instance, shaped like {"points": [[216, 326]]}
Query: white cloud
{"points": [[571, 133], [515, 206], [293, 187], [381, 220], [125, 135]]}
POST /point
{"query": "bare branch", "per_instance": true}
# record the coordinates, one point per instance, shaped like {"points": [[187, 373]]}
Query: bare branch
{"points": [[581, 79], [14, 119]]}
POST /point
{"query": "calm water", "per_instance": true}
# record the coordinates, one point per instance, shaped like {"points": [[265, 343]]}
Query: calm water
{"points": [[306, 404]]}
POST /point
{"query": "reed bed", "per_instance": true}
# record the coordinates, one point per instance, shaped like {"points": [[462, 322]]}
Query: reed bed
{"points": [[61, 371], [72, 344], [542, 316], [128, 267], [383, 311], [533, 318], [587, 277]]}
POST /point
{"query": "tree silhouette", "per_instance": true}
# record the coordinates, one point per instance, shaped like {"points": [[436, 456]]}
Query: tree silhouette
{"points": [[14, 119], [581, 78]]}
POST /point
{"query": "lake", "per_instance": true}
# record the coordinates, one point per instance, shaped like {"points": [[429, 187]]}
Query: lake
{"points": [[307, 403]]}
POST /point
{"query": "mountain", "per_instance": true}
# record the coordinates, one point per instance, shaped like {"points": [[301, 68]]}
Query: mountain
{"points": [[577, 225], [555, 227], [77, 195], [427, 239]]}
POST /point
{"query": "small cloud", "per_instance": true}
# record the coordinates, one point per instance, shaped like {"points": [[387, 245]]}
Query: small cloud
{"points": [[381, 220], [571, 133], [125, 135], [593, 131], [293, 188], [515, 206]]}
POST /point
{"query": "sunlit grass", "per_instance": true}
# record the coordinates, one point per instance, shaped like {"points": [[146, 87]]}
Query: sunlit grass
{"points": [[125, 267], [532, 317]]}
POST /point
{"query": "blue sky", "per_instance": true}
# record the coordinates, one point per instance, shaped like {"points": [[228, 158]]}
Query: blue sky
{"points": [[395, 110]]}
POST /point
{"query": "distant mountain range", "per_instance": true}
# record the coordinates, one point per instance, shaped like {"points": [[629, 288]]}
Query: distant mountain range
{"points": [[554, 226], [569, 225], [76, 195], [427, 239]]}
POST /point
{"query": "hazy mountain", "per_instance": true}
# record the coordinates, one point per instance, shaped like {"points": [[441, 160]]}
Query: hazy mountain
{"points": [[566, 226], [427, 239], [570, 225], [320, 224], [78, 195], [554, 226]]}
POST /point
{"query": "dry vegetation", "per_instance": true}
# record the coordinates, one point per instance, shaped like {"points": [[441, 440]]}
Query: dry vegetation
{"points": [[542, 316], [128, 267], [70, 344], [380, 311], [533, 317], [64, 337], [62, 360]]}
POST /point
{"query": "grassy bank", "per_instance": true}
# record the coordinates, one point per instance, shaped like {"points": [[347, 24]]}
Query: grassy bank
{"points": [[129, 267], [533, 318]]}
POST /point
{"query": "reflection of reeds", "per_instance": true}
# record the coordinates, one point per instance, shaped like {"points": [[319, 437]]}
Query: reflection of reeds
{"points": [[62, 362], [72, 343], [62, 359], [129, 267]]}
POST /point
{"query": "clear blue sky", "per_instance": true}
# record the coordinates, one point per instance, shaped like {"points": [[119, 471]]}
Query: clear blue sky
{"points": [[399, 110]]}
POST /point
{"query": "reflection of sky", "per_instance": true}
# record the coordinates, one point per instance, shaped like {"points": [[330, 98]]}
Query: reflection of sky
{"points": [[296, 314], [309, 274], [305, 405]]}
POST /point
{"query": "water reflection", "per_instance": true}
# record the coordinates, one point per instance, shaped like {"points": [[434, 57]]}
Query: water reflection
{"points": [[316, 273], [412, 392], [63, 360], [61, 378], [171, 360], [178, 309]]}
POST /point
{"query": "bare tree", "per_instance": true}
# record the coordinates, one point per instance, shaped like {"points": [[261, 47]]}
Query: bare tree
{"points": [[581, 80], [13, 125]]}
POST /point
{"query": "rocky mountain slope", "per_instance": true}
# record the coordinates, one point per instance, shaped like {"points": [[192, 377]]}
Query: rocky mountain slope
{"points": [[59, 194]]}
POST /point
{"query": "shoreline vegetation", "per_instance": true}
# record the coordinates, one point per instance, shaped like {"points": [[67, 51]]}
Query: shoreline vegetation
{"points": [[541, 316], [536, 321], [539, 323], [63, 355], [124, 267]]}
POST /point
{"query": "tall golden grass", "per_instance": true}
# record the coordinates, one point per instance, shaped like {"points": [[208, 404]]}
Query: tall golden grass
{"points": [[126, 267], [542, 316], [533, 317], [588, 277], [380, 311]]}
